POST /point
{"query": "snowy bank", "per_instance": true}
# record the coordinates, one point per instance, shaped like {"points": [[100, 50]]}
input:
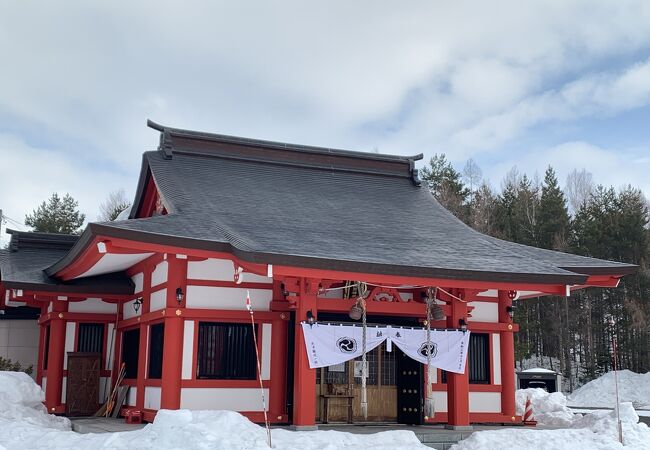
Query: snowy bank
{"points": [[601, 392], [25, 424], [214, 430], [597, 430], [21, 400], [548, 409], [592, 431]]}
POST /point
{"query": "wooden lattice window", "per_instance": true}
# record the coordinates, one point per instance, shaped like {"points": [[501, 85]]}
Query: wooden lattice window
{"points": [[226, 352]]}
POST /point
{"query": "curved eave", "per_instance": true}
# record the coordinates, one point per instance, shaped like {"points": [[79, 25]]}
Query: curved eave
{"points": [[96, 232], [618, 270]]}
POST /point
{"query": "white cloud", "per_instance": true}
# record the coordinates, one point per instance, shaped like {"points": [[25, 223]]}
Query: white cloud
{"points": [[461, 77], [609, 166], [29, 175]]}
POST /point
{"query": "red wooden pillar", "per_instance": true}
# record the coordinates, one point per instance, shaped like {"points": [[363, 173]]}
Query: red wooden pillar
{"points": [[304, 381], [507, 351], [278, 394], [457, 384], [170, 396], [54, 385]]}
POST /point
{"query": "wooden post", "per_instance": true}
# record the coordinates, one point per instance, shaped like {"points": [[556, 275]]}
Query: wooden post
{"points": [[507, 351], [170, 396], [41, 347], [304, 382], [54, 384], [457, 384]]}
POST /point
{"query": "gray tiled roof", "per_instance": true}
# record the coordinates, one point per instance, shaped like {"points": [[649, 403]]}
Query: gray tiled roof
{"points": [[22, 266], [310, 211]]}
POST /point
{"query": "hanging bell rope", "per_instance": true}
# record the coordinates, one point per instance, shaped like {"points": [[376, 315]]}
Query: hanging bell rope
{"points": [[361, 301], [429, 406]]}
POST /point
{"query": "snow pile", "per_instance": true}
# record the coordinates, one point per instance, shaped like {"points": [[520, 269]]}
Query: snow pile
{"points": [[601, 392], [548, 409], [592, 431], [214, 430], [603, 423], [21, 400], [529, 439]]}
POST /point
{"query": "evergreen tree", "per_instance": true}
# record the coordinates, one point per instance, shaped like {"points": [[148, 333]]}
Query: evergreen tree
{"points": [[446, 184], [553, 218], [57, 215]]}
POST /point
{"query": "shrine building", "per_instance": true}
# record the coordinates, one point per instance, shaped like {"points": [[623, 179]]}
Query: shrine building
{"points": [[162, 292]]}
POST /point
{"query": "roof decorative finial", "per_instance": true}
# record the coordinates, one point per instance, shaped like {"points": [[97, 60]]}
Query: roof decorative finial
{"points": [[165, 145]]}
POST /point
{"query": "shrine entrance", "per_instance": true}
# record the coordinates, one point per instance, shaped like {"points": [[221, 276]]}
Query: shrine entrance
{"points": [[344, 380], [336, 384]]}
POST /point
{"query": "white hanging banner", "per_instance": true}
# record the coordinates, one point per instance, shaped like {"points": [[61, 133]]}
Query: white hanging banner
{"points": [[328, 345], [448, 347]]}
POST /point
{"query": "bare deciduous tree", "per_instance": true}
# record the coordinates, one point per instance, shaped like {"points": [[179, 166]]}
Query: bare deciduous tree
{"points": [[579, 186], [110, 208]]}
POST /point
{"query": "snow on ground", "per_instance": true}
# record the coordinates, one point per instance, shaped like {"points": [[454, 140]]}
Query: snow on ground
{"points": [[214, 430], [591, 431], [548, 409], [632, 387], [21, 400], [596, 430], [25, 424]]}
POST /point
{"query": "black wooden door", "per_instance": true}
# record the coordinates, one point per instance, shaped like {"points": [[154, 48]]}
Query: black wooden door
{"points": [[409, 389]]}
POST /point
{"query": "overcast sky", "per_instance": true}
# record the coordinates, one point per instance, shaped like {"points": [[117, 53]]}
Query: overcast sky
{"points": [[506, 83]]}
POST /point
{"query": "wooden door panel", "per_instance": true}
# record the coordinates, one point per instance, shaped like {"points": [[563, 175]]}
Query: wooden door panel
{"points": [[82, 388]]}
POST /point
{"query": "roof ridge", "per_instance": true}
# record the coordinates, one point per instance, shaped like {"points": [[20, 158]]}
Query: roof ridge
{"points": [[167, 132]]}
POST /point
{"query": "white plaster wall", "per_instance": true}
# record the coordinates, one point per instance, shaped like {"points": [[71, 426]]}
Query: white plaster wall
{"points": [[110, 346], [151, 397], [127, 310], [484, 312], [70, 328], [496, 358], [131, 397], [234, 399], [44, 384], [221, 270], [227, 298], [92, 305], [440, 401], [485, 402], [19, 342], [188, 350], [159, 274], [49, 307], [104, 386], [64, 389], [158, 300], [337, 293], [138, 280], [267, 329]]}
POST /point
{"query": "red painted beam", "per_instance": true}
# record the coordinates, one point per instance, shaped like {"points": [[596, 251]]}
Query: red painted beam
{"points": [[395, 280]]}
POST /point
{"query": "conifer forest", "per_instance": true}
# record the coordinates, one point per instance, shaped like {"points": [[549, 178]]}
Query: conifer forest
{"points": [[572, 335]]}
